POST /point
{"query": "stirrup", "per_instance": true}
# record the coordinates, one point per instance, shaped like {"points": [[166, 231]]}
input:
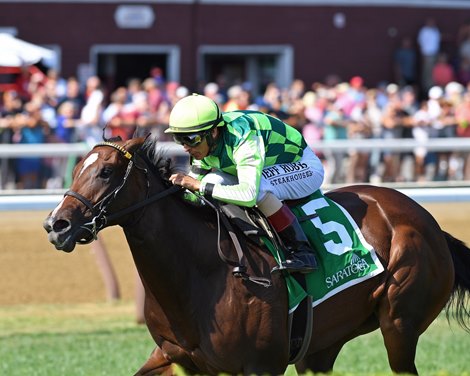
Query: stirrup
{"points": [[239, 271], [292, 266]]}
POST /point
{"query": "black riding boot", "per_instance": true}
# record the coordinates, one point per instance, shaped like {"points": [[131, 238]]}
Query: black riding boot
{"points": [[299, 257]]}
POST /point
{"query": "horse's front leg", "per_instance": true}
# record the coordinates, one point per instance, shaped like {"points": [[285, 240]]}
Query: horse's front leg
{"points": [[157, 364]]}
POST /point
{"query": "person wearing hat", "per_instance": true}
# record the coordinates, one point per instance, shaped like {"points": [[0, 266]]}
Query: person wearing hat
{"points": [[249, 158]]}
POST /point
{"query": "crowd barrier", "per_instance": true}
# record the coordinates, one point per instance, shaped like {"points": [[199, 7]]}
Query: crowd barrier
{"points": [[39, 201], [46, 200], [398, 145]]}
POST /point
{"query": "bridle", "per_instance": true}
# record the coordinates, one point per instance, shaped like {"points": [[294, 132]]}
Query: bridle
{"points": [[99, 210], [101, 218]]}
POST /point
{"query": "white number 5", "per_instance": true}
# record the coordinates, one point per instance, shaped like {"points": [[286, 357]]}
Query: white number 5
{"points": [[329, 227]]}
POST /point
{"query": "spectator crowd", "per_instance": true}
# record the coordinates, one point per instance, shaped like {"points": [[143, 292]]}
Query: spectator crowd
{"points": [[51, 109], [61, 111]]}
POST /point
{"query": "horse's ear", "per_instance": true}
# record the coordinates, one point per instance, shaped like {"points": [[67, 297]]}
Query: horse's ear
{"points": [[134, 143], [111, 139]]}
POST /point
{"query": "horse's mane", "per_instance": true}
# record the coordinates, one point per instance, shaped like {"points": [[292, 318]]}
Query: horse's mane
{"points": [[158, 158], [163, 166]]}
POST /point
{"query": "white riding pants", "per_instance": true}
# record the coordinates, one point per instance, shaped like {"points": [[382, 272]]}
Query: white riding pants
{"points": [[287, 181]]}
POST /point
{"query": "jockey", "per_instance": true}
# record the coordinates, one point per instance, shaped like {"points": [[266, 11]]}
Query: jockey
{"points": [[248, 158]]}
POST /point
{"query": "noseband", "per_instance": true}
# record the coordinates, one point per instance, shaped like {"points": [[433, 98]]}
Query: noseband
{"points": [[100, 217]]}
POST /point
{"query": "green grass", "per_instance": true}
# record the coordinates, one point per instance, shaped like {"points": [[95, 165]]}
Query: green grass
{"points": [[103, 339], [89, 339], [443, 350]]}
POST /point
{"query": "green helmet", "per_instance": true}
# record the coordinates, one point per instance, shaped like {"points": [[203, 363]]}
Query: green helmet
{"points": [[194, 113]]}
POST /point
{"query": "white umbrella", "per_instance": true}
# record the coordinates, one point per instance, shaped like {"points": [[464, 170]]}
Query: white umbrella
{"points": [[15, 52]]}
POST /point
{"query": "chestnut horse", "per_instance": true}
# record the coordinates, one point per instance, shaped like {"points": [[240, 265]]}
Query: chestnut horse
{"points": [[209, 322]]}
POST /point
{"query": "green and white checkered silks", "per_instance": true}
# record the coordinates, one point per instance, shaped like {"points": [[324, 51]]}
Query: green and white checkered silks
{"points": [[251, 141], [281, 144]]}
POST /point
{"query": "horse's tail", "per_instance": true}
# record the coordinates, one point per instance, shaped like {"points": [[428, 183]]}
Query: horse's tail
{"points": [[459, 303]]}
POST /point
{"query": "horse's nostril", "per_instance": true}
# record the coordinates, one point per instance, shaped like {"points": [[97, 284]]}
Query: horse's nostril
{"points": [[60, 225]]}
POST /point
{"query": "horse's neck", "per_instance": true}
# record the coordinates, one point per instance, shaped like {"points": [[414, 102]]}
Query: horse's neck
{"points": [[174, 243], [176, 256]]}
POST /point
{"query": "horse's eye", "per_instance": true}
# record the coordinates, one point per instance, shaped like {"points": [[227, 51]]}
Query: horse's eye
{"points": [[106, 172]]}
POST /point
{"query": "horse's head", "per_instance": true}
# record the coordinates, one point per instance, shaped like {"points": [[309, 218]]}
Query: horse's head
{"points": [[108, 181]]}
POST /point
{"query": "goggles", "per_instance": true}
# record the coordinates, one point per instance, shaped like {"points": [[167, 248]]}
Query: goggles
{"points": [[191, 140]]}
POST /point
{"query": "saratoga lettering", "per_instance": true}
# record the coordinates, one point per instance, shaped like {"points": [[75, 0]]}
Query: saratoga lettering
{"points": [[356, 268]]}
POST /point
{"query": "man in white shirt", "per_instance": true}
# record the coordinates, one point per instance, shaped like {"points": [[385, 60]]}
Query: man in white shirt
{"points": [[429, 40]]}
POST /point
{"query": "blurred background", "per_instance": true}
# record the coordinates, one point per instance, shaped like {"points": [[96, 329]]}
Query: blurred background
{"points": [[393, 71], [379, 88]]}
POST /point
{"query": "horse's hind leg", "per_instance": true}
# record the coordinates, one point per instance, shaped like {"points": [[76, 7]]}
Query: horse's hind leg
{"points": [[398, 321], [415, 293], [400, 339], [401, 311]]}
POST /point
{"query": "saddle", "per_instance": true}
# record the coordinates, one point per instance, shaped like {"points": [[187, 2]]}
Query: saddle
{"points": [[345, 257], [256, 228]]}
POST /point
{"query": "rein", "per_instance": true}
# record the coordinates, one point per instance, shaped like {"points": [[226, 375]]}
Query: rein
{"points": [[100, 218]]}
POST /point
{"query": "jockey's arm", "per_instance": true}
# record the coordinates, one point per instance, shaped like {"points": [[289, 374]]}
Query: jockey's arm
{"points": [[249, 161]]}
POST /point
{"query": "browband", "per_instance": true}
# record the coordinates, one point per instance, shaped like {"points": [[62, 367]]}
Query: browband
{"points": [[115, 146]]}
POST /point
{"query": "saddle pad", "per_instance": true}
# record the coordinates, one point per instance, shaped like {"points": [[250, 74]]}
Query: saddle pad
{"points": [[344, 256]]}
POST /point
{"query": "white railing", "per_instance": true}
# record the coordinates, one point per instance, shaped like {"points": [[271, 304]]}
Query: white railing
{"points": [[63, 150], [399, 145], [46, 199], [27, 201]]}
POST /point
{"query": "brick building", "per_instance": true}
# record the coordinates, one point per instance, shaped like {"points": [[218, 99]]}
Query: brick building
{"points": [[259, 41]]}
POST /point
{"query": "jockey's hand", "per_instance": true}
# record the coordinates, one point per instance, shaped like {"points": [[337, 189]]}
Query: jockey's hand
{"points": [[185, 181]]}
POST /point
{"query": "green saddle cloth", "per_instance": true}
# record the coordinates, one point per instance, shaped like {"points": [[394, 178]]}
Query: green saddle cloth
{"points": [[344, 256]]}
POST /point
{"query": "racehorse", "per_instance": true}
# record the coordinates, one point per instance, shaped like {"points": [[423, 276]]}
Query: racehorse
{"points": [[208, 321]]}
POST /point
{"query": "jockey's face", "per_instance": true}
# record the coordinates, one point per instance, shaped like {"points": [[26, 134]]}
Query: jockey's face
{"points": [[199, 151], [202, 149]]}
